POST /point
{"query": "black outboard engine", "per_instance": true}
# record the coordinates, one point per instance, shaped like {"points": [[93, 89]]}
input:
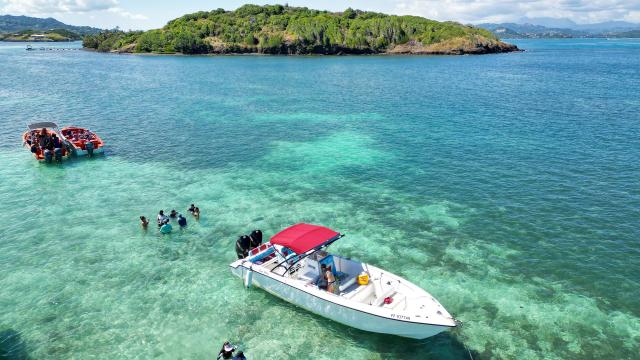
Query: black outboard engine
{"points": [[57, 154], [256, 238], [242, 246], [48, 155], [89, 147]]}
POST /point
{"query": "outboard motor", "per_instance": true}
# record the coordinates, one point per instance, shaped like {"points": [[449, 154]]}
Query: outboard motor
{"points": [[242, 246], [89, 147], [48, 156], [256, 238], [57, 154]]}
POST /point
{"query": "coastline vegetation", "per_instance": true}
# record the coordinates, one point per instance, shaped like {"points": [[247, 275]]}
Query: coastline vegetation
{"points": [[36, 36], [281, 29]]}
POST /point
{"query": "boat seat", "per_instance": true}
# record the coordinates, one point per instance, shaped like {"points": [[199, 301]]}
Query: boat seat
{"points": [[309, 277], [361, 293], [345, 283]]}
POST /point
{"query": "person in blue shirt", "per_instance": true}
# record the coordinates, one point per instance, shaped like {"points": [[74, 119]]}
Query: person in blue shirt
{"points": [[182, 221]]}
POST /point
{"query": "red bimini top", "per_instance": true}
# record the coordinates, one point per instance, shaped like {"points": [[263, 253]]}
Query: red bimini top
{"points": [[303, 237]]}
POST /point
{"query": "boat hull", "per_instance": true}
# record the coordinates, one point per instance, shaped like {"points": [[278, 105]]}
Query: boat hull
{"points": [[340, 313]]}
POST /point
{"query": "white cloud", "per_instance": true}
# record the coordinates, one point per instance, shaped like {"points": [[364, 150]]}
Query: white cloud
{"points": [[475, 11], [122, 12], [52, 7]]}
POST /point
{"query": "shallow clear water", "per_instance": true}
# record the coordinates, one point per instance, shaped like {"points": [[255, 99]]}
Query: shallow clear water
{"points": [[506, 185]]}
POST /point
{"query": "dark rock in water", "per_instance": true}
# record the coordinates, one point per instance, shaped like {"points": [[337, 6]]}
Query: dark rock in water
{"points": [[12, 347]]}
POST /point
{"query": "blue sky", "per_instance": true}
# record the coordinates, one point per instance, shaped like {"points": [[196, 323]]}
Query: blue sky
{"points": [[147, 14]]}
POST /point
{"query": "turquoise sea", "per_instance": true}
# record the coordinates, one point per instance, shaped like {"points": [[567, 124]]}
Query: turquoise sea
{"points": [[506, 185]]}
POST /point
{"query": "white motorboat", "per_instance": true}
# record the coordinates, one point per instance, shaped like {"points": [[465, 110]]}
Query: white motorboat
{"points": [[366, 297]]}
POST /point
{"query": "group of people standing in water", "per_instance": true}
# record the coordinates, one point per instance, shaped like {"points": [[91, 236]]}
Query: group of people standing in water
{"points": [[164, 221]]}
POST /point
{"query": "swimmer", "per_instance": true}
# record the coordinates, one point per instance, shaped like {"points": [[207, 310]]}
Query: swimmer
{"points": [[173, 214], [144, 222], [196, 213], [192, 208], [182, 221]]}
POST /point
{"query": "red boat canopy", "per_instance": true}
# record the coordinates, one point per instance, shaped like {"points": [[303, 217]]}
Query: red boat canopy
{"points": [[303, 237]]}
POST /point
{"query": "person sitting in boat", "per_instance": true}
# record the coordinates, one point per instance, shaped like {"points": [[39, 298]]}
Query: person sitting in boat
{"points": [[144, 222], [182, 221], [173, 214], [227, 351], [55, 140], [196, 213], [322, 279], [161, 218], [332, 282]]}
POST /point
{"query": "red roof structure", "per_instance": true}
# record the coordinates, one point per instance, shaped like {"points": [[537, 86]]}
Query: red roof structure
{"points": [[303, 237]]}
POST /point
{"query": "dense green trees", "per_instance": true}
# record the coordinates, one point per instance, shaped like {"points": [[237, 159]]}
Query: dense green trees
{"points": [[279, 29]]}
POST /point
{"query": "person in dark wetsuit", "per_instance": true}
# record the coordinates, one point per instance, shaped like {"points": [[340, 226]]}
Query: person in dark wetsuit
{"points": [[227, 351], [239, 356], [182, 221]]}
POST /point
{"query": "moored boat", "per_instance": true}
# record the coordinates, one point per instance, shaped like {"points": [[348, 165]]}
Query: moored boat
{"points": [[41, 137], [363, 296], [82, 141]]}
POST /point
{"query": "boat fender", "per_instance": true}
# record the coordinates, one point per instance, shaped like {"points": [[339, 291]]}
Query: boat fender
{"points": [[256, 238], [248, 278], [89, 147], [48, 156]]}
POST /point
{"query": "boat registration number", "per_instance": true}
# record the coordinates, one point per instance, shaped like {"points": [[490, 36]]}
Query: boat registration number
{"points": [[401, 317]]}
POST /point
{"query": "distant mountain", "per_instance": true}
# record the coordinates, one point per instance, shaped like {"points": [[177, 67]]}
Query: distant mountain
{"points": [[10, 23], [528, 30], [561, 23]]}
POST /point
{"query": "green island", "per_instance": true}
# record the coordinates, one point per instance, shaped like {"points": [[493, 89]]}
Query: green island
{"points": [[41, 36], [281, 29]]}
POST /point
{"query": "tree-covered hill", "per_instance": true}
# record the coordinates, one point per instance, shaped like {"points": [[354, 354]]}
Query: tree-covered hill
{"points": [[15, 24], [278, 29]]}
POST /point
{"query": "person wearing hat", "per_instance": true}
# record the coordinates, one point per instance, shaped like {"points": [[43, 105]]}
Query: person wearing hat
{"points": [[227, 351]]}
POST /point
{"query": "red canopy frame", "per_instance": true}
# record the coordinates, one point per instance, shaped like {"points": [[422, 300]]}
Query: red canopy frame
{"points": [[304, 237]]}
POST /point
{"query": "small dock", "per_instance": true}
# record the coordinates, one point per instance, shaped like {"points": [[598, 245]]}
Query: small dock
{"points": [[44, 48]]}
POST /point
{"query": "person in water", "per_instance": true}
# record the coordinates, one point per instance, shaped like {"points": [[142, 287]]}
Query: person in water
{"points": [[182, 221], [55, 140], [227, 351], [239, 356], [161, 218], [192, 208], [173, 214], [196, 213], [144, 222], [166, 227]]}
